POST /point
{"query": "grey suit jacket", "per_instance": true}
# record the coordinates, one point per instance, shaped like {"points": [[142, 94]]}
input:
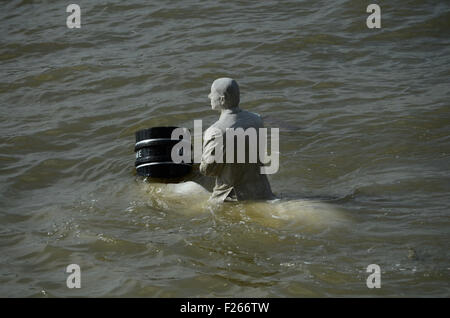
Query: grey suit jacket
{"points": [[234, 181]]}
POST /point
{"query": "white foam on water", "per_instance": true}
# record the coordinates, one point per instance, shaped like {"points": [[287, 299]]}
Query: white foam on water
{"points": [[187, 198], [190, 198], [297, 212]]}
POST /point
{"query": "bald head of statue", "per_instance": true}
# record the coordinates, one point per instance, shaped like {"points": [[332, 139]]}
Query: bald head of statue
{"points": [[224, 94]]}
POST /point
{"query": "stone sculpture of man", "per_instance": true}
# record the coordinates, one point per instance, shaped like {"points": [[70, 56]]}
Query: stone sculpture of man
{"points": [[234, 181]]}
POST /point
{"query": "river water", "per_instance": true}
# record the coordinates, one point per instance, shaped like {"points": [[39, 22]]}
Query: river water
{"points": [[364, 122]]}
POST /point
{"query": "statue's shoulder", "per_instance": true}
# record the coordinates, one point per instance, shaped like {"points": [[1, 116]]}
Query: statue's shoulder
{"points": [[255, 117], [213, 131], [251, 114]]}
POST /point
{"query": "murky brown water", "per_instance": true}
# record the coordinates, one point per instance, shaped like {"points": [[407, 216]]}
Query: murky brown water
{"points": [[364, 148]]}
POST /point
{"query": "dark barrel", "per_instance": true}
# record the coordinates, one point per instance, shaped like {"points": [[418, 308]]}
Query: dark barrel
{"points": [[153, 154]]}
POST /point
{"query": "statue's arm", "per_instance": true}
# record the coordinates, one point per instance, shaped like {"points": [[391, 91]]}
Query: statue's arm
{"points": [[209, 166]]}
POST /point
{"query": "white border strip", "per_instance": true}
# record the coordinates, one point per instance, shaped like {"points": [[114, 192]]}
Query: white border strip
{"points": [[157, 163], [156, 139]]}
